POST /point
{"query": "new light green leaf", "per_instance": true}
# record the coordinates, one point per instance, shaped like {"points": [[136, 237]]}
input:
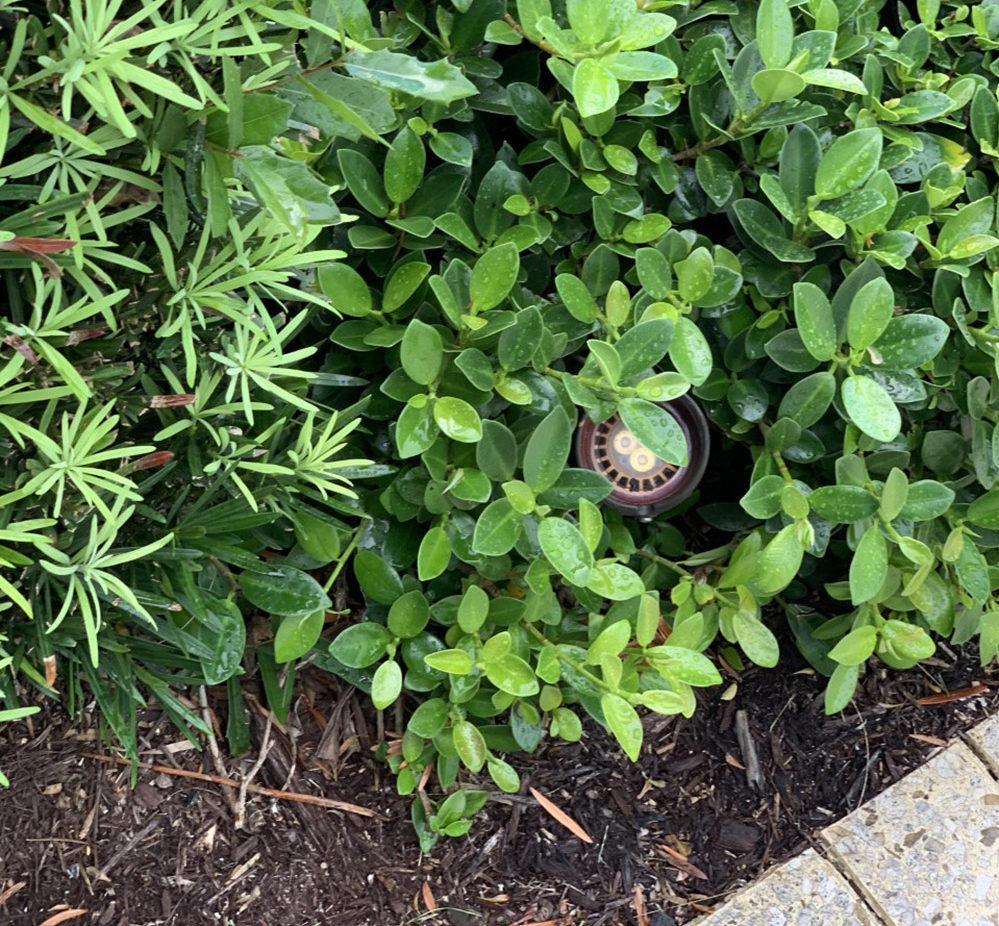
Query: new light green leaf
{"points": [[594, 88]]}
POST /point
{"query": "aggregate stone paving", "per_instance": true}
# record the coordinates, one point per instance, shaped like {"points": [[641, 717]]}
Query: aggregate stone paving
{"points": [[926, 851], [986, 738], [807, 891]]}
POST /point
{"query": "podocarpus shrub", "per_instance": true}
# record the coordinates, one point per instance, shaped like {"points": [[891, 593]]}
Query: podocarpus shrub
{"points": [[545, 210]]}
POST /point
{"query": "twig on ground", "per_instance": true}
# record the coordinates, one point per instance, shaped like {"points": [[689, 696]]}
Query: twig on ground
{"points": [[128, 847], [213, 748], [239, 809], [314, 799]]}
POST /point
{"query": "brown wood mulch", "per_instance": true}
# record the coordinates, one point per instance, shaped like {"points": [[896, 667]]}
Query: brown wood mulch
{"points": [[712, 803]]}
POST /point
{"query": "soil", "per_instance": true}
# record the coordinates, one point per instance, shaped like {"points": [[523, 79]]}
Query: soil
{"points": [[672, 834]]}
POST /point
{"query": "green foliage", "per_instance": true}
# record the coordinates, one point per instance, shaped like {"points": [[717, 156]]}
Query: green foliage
{"points": [[173, 436], [235, 242]]}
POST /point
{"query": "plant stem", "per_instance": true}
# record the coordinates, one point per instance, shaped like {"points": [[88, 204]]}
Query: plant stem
{"points": [[354, 541], [662, 561], [568, 660], [541, 43]]}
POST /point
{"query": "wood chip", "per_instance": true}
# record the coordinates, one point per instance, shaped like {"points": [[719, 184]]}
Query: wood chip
{"points": [[428, 897], [561, 816], [734, 762]]}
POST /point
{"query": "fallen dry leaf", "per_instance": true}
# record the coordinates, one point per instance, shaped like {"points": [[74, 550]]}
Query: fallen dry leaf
{"points": [[428, 897], [734, 762], [62, 916], [681, 862], [9, 892], [50, 670], [561, 816], [639, 901], [932, 740], [958, 695]]}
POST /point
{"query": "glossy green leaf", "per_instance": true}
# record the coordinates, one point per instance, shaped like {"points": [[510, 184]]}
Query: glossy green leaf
{"points": [[497, 528], [416, 429], [566, 549], [421, 352], [285, 591], [871, 310], [976, 218], [346, 289], [778, 563], [295, 636], [841, 687], [436, 81], [547, 451], [690, 352], [511, 674], [774, 32], [909, 341], [493, 276], [360, 645], [656, 429], [871, 408], [386, 684], [404, 165], [469, 745], [294, 195], [808, 399], [843, 504], [756, 639], [848, 162], [377, 578], [624, 722], [457, 419], [869, 566], [594, 87], [576, 297], [434, 554], [856, 647], [409, 614]]}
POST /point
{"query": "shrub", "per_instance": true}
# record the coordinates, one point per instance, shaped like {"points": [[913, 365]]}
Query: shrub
{"points": [[168, 421], [539, 211]]}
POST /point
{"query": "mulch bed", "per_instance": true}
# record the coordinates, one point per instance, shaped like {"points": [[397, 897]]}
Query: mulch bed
{"points": [[672, 834]]}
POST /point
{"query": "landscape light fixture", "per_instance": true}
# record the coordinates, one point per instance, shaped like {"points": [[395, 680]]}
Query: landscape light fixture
{"points": [[644, 485]]}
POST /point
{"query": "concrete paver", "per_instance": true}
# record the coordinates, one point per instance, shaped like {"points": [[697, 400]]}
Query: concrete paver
{"points": [[925, 852], [986, 739], [806, 891]]}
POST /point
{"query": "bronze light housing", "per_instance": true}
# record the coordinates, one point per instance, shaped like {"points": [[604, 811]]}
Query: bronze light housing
{"points": [[645, 485]]}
